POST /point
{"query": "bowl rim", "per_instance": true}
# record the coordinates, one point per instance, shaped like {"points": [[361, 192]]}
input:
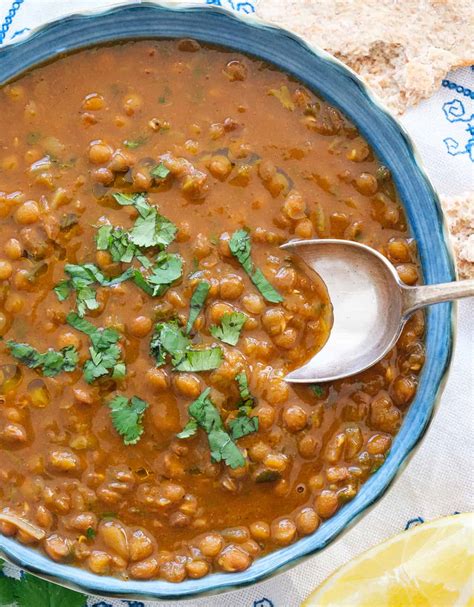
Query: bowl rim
{"points": [[31, 560]]}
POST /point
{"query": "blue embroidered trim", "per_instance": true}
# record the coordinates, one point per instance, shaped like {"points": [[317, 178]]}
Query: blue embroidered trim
{"points": [[9, 18], [240, 7], [413, 522], [459, 88], [263, 603], [455, 112]]}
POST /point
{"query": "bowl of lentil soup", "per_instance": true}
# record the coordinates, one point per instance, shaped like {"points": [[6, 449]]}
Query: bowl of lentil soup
{"points": [[149, 445]]}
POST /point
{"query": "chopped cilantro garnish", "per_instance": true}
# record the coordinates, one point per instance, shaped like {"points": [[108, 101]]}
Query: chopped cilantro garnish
{"points": [[204, 414], [200, 360], [198, 300], [50, 362], [229, 329], [167, 268], [151, 229], [133, 144], [241, 249], [243, 424], [117, 242], [160, 171], [317, 390], [104, 351], [90, 533], [82, 278], [169, 339], [127, 416]]}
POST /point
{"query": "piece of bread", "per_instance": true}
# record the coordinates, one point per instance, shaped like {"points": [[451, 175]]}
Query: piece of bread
{"points": [[459, 211], [401, 48]]}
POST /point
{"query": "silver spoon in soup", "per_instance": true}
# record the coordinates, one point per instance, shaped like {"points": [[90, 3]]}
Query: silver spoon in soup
{"points": [[370, 306]]}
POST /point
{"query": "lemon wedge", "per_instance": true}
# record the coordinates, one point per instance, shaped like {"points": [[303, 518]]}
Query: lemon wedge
{"points": [[431, 565]]}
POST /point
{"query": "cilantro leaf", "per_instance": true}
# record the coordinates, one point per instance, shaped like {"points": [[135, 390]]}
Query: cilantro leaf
{"points": [[243, 424], [241, 249], [169, 338], [317, 390], [32, 590], [63, 290], [246, 399], [151, 229], [82, 277], [189, 429], [133, 144], [127, 417], [168, 267], [104, 352], [7, 590], [160, 171], [230, 327], [206, 415], [139, 201], [197, 302], [51, 362], [199, 360]]}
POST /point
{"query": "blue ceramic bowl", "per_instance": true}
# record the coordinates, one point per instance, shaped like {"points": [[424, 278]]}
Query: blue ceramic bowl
{"points": [[341, 87]]}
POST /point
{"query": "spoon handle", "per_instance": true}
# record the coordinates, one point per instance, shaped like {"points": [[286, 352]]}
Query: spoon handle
{"points": [[419, 297]]}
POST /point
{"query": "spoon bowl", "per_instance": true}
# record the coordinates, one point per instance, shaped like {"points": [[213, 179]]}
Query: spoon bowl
{"points": [[370, 306]]}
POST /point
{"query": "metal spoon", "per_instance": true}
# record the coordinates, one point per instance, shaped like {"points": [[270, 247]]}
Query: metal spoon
{"points": [[370, 306]]}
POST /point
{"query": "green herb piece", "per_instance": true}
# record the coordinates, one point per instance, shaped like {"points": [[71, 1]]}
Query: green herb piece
{"points": [[29, 591], [151, 229], [317, 390], [168, 267], [127, 417], [133, 144], [204, 414], [90, 533], [82, 279], [194, 361], [229, 329], [246, 399], [189, 429], [104, 351], [284, 97], [243, 424], [51, 362], [213, 239], [198, 300], [169, 339], [160, 171], [241, 249], [117, 242]]}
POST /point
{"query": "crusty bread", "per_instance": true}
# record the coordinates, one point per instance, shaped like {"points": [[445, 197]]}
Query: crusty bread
{"points": [[459, 211], [401, 48]]}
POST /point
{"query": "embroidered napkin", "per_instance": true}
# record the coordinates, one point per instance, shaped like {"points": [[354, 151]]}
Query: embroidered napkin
{"points": [[439, 479]]}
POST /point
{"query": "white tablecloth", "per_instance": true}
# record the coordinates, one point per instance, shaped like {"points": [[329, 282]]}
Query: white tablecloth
{"points": [[439, 478]]}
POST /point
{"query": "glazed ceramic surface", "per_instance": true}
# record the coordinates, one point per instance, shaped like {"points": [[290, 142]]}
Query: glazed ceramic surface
{"points": [[341, 87]]}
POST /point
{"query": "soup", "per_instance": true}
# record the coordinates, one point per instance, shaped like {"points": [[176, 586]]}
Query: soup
{"points": [[148, 316]]}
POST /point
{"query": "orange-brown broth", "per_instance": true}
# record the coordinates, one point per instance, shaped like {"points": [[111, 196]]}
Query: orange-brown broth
{"points": [[199, 105]]}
